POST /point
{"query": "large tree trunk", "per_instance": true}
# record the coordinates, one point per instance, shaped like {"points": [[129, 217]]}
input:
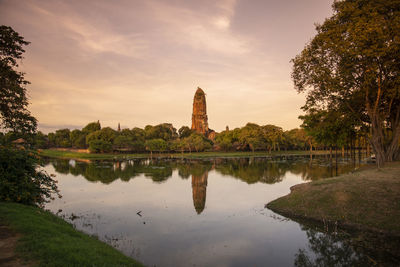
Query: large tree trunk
{"points": [[385, 147], [384, 141], [376, 141]]}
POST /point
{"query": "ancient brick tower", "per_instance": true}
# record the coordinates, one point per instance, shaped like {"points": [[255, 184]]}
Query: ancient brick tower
{"points": [[199, 117]]}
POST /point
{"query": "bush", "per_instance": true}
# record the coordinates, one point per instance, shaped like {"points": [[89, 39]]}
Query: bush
{"points": [[100, 146], [20, 181]]}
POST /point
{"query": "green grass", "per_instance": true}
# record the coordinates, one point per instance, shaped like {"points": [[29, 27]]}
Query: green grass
{"points": [[77, 155], [50, 241], [365, 199]]}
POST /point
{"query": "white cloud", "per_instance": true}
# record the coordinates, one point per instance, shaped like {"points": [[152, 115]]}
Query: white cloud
{"points": [[222, 23], [91, 37], [98, 41], [201, 31]]}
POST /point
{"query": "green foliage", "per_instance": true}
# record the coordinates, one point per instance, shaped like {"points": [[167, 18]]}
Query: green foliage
{"points": [[62, 138], [226, 140], [52, 139], [78, 138], [100, 146], [163, 131], [251, 137], [14, 114], [138, 134], [91, 127], [20, 181], [40, 140], [197, 142], [328, 127], [106, 134], [122, 141], [295, 139], [184, 132], [158, 145], [273, 136], [351, 67]]}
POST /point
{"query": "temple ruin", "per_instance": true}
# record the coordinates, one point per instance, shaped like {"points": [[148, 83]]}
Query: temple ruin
{"points": [[199, 116]]}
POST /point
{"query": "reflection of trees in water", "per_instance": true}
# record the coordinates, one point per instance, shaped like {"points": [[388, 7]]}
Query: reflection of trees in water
{"points": [[319, 167], [249, 170], [186, 168], [328, 250], [106, 172], [252, 170]]}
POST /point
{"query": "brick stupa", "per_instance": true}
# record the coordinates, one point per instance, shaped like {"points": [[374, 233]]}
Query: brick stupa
{"points": [[199, 117]]}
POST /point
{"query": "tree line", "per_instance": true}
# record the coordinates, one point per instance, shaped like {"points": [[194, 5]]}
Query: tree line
{"points": [[165, 138]]}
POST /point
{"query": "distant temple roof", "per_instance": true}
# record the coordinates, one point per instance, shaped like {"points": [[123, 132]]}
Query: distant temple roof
{"points": [[19, 141]]}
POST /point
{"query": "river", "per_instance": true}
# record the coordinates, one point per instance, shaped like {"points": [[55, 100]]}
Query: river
{"points": [[209, 212]]}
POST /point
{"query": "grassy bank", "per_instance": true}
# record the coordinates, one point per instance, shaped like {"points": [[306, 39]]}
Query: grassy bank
{"points": [[76, 155], [47, 240], [368, 199]]}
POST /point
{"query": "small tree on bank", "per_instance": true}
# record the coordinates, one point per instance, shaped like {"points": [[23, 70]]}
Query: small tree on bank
{"points": [[352, 66]]}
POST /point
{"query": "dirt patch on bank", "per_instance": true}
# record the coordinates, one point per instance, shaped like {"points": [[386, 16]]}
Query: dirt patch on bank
{"points": [[8, 243]]}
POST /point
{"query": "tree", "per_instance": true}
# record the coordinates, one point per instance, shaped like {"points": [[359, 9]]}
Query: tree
{"points": [[198, 142], [184, 132], [251, 135], [138, 134], [62, 138], [352, 66], [106, 134], [78, 138], [20, 178], [100, 146], [330, 128], [92, 127], [40, 140], [225, 140], [156, 145], [14, 114], [163, 131], [272, 135]]}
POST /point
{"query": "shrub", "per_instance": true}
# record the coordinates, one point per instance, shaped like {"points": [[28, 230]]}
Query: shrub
{"points": [[100, 146], [20, 179]]}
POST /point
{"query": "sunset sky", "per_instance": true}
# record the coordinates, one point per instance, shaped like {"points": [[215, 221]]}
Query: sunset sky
{"points": [[140, 62]]}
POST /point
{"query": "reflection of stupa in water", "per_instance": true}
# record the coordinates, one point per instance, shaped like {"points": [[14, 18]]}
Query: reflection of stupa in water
{"points": [[199, 189]]}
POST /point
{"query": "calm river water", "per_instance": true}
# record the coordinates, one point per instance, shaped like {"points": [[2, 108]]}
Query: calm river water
{"points": [[198, 212]]}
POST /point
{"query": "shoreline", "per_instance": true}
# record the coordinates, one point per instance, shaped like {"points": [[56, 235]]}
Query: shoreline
{"points": [[365, 202], [67, 154], [43, 239]]}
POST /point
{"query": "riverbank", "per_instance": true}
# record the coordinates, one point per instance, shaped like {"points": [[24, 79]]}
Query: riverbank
{"points": [[47, 240], [65, 154], [367, 199]]}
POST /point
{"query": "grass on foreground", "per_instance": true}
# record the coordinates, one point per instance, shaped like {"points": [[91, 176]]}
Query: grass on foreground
{"points": [[77, 155], [365, 199], [50, 241]]}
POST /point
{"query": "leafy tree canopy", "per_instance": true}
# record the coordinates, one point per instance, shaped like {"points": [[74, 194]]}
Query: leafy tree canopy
{"points": [[352, 66], [14, 114], [91, 127]]}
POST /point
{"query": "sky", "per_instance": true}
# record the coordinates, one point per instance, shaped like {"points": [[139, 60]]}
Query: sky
{"points": [[139, 62]]}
